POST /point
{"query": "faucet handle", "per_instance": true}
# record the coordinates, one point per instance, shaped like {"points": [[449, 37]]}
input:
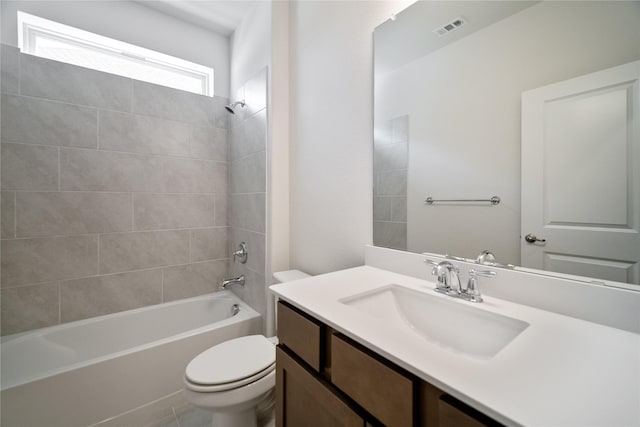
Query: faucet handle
{"points": [[472, 293]]}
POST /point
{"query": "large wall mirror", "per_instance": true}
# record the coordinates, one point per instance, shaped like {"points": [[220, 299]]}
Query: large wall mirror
{"points": [[511, 126]]}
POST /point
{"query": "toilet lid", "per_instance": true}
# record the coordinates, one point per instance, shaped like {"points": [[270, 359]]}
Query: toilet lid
{"points": [[232, 361]]}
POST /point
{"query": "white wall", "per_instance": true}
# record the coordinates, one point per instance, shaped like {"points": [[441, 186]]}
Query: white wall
{"points": [[132, 23], [250, 46], [332, 131], [464, 107]]}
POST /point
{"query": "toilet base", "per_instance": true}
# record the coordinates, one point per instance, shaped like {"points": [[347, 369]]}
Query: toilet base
{"points": [[235, 419]]}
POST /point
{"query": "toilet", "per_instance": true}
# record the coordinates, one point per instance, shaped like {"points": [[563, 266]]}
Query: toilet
{"points": [[236, 379]]}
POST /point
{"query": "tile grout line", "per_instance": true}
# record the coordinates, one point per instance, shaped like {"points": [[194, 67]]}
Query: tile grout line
{"points": [[15, 214], [97, 129], [163, 156], [59, 302], [59, 180], [98, 256]]}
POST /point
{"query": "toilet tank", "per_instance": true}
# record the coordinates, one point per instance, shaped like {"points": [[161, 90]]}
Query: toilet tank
{"points": [[280, 277], [289, 275]]}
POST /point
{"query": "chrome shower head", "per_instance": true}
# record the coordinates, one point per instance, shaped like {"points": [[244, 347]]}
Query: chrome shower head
{"points": [[230, 107]]}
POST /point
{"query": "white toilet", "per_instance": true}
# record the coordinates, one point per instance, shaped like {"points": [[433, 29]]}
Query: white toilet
{"points": [[236, 379]]}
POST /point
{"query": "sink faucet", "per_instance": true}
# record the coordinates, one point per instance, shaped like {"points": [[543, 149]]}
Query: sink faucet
{"points": [[448, 281], [234, 281]]}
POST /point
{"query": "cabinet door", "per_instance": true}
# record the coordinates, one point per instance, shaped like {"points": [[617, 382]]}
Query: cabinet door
{"points": [[438, 409], [301, 333], [304, 400], [373, 383]]}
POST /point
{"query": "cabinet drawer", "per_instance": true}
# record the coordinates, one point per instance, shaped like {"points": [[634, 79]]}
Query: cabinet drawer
{"points": [[453, 413], [303, 399], [300, 333], [382, 390]]}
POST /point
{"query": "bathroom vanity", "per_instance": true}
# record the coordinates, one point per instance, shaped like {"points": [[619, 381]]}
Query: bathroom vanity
{"points": [[326, 379], [368, 346]]}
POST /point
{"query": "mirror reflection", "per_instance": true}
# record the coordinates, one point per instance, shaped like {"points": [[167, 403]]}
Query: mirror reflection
{"points": [[536, 103]]}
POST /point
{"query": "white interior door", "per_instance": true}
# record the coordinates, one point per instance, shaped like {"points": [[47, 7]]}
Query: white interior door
{"points": [[581, 175]]}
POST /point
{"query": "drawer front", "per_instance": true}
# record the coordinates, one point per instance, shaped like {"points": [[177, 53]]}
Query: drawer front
{"points": [[300, 333], [383, 391], [303, 399], [453, 413]]}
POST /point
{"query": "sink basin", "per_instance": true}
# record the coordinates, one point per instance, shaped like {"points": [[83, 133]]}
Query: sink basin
{"points": [[449, 323]]}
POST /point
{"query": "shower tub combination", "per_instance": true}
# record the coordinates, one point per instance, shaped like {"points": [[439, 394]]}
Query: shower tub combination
{"points": [[84, 372]]}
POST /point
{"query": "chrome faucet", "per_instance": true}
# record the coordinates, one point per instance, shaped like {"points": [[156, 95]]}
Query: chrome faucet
{"points": [[487, 258], [448, 281], [233, 281], [241, 253]]}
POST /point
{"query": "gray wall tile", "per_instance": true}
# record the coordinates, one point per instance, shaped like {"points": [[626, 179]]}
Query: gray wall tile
{"points": [[392, 183], [389, 157], [220, 114], [96, 296], [72, 154], [44, 78], [137, 251], [29, 307], [399, 209], [390, 235], [91, 170], [247, 211], [209, 143], [221, 212], [248, 174], [209, 243], [382, 209], [165, 211], [142, 134], [27, 261], [194, 176], [249, 136], [184, 281], [29, 167], [255, 248], [10, 69], [41, 214], [173, 104], [254, 292], [37, 121], [8, 214]]}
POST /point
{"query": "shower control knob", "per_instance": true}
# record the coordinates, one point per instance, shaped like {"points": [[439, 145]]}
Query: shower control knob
{"points": [[531, 238]]}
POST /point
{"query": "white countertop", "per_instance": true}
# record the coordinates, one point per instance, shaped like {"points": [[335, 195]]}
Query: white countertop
{"points": [[560, 371]]}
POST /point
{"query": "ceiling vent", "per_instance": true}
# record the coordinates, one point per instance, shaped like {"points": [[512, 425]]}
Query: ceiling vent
{"points": [[450, 27]]}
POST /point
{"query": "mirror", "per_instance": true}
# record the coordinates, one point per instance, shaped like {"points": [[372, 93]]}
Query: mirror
{"points": [[459, 86]]}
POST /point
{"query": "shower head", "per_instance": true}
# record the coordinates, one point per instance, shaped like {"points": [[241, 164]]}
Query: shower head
{"points": [[230, 107]]}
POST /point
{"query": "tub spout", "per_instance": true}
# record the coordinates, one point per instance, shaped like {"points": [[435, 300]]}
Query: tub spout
{"points": [[234, 281]]}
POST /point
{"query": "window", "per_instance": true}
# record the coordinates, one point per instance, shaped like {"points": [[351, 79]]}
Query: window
{"points": [[52, 40]]}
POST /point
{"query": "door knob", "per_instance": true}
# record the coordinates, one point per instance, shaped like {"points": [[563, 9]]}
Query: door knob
{"points": [[531, 238]]}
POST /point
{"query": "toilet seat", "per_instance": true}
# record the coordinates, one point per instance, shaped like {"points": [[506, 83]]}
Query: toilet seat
{"points": [[231, 364]]}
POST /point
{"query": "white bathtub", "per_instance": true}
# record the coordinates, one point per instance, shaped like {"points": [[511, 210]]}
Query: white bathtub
{"points": [[84, 372]]}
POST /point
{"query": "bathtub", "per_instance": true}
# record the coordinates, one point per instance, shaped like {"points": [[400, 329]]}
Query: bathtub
{"points": [[84, 372]]}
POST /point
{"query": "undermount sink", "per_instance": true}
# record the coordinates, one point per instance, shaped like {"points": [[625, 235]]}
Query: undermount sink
{"points": [[453, 324]]}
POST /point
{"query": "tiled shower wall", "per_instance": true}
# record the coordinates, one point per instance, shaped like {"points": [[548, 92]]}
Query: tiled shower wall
{"points": [[247, 188], [114, 193], [390, 164]]}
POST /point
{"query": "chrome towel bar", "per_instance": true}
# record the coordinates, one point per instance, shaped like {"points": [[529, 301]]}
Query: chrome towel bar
{"points": [[493, 200]]}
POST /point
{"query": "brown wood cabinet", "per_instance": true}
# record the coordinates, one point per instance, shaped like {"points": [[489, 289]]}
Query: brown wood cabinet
{"points": [[324, 379]]}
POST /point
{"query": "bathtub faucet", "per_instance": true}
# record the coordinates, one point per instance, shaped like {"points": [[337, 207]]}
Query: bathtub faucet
{"points": [[234, 281]]}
